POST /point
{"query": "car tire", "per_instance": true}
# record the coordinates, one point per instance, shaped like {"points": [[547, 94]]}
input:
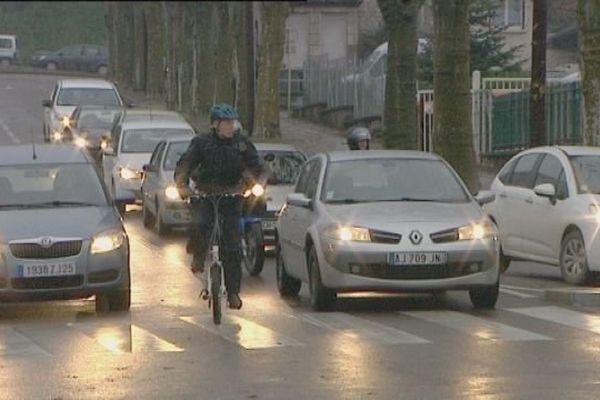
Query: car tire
{"points": [[504, 262], [485, 297], [147, 217], [287, 286], [102, 70], [321, 297], [255, 250], [161, 228], [119, 300], [573, 259], [51, 66]]}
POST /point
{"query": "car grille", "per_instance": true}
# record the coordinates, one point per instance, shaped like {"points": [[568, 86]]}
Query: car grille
{"points": [[103, 276], [385, 271], [53, 282], [35, 251]]}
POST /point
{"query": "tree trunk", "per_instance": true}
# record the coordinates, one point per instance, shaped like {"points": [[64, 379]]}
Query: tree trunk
{"points": [[155, 78], [453, 137], [589, 64], [272, 39], [400, 125], [538, 73]]}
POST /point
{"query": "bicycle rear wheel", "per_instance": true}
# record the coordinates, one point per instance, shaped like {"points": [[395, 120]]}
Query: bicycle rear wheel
{"points": [[215, 292]]}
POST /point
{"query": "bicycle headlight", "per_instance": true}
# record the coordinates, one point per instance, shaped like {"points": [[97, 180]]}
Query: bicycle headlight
{"points": [[258, 190], [107, 241]]}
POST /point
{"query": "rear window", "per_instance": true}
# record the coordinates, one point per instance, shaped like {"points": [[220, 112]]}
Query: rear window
{"points": [[88, 96]]}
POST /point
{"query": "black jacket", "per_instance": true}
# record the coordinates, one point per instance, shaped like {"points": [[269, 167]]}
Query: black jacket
{"points": [[216, 164]]}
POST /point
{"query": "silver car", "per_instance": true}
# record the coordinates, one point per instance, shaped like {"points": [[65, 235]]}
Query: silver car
{"points": [[396, 221], [62, 237], [162, 207]]}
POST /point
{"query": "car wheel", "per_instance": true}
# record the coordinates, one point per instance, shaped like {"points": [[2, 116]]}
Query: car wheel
{"points": [[485, 297], [161, 228], [254, 259], [102, 70], [573, 260], [120, 300], [321, 297], [286, 285], [51, 66], [147, 218], [504, 262]]}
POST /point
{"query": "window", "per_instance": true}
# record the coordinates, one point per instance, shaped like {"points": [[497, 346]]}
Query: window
{"points": [[313, 180], [302, 184], [378, 70], [156, 155], [90, 51], [71, 51], [506, 172], [6, 44], [510, 14], [524, 173], [551, 171], [88, 96], [176, 150], [145, 140]]}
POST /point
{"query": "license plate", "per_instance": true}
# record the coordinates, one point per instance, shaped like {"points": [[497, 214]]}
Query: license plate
{"points": [[268, 225], [420, 258], [46, 269]]}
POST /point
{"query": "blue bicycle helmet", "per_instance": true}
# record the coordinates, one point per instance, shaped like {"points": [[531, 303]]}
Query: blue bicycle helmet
{"points": [[223, 111]]}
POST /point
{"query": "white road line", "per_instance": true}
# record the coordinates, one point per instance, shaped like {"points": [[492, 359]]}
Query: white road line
{"points": [[360, 329], [527, 288], [9, 133], [480, 327], [247, 334], [562, 316], [518, 294], [14, 343]]}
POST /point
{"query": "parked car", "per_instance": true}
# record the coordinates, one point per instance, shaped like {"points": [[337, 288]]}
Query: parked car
{"points": [[62, 237], [285, 167], [385, 221], [162, 207], [70, 93], [38, 55], [89, 128], [547, 209], [81, 57], [8, 50], [130, 147]]}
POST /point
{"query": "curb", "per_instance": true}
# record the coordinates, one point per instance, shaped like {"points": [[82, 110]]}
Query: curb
{"points": [[580, 297]]}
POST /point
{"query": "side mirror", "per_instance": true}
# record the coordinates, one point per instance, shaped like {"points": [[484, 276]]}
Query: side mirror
{"points": [[147, 168], [485, 197], [299, 200], [47, 103], [546, 190], [130, 105], [269, 157]]}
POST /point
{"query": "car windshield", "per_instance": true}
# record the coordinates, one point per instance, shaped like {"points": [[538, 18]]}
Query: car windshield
{"points": [[52, 185], [285, 166], [6, 44], [587, 172], [391, 179], [93, 97], [145, 140], [174, 153], [97, 119]]}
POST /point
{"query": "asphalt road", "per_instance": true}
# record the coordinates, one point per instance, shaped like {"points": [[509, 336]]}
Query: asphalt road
{"points": [[392, 347]]}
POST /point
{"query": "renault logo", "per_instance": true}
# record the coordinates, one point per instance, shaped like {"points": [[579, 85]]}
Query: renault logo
{"points": [[46, 242], [415, 237]]}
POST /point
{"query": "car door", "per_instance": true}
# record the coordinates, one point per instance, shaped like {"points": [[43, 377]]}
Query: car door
{"points": [[151, 184], [69, 57], [49, 110], [511, 203], [543, 223], [291, 236]]}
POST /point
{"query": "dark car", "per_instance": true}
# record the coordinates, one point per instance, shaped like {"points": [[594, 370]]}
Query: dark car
{"points": [[81, 57]]}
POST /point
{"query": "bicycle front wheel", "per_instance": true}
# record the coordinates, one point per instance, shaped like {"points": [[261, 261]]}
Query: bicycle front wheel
{"points": [[215, 291]]}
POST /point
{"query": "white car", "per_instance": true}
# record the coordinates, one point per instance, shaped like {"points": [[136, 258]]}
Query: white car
{"points": [[547, 209], [70, 93], [130, 148], [8, 50]]}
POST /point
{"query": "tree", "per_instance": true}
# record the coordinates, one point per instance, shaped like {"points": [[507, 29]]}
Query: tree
{"points": [[487, 45], [589, 64], [538, 73], [270, 53], [400, 125], [452, 137]]}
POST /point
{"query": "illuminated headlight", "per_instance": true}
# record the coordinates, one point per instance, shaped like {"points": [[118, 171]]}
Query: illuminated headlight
{"points": [[476, 231], [80, 142], [65, 121], [258, 190], [172, 193], [349, 234], [103, 145], [57, 136], [107, 241], [127, 173]]}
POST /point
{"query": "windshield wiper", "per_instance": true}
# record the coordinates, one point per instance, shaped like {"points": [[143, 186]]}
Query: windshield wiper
{"points": [[409, 199], [345, 201], [57, 203]]}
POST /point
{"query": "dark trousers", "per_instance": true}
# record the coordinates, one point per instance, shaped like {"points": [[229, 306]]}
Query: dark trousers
{"points": [[230, 213]]}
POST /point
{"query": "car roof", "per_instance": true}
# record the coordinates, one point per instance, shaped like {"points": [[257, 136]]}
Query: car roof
{"points": [[177, 139], [86, 83], [45, 154], [275, 147], [156, 123], [567, 150], [350, 155]]}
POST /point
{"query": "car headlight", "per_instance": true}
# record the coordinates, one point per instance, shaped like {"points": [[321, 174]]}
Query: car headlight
{"points": [[41, 58], [107, 241], [349, 234], [65, 121], [172, 193], [81, 142], [127, 173], [476, 231], [57, 136]]}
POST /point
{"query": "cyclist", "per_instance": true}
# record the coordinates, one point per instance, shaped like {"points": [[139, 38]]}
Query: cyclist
{"points": [[358, 138], [218, 162]]}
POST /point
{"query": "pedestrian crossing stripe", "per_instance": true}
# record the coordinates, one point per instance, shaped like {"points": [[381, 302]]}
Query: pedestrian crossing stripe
{"points": [[562, 316]]}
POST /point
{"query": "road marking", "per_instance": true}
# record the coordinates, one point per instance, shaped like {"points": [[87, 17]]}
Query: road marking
{"points": [[482, 328], [518, 294], [9, 133], [360, 328], [14, 343], [121, 339], [562, 316], [525, 288], [247, 334]]}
